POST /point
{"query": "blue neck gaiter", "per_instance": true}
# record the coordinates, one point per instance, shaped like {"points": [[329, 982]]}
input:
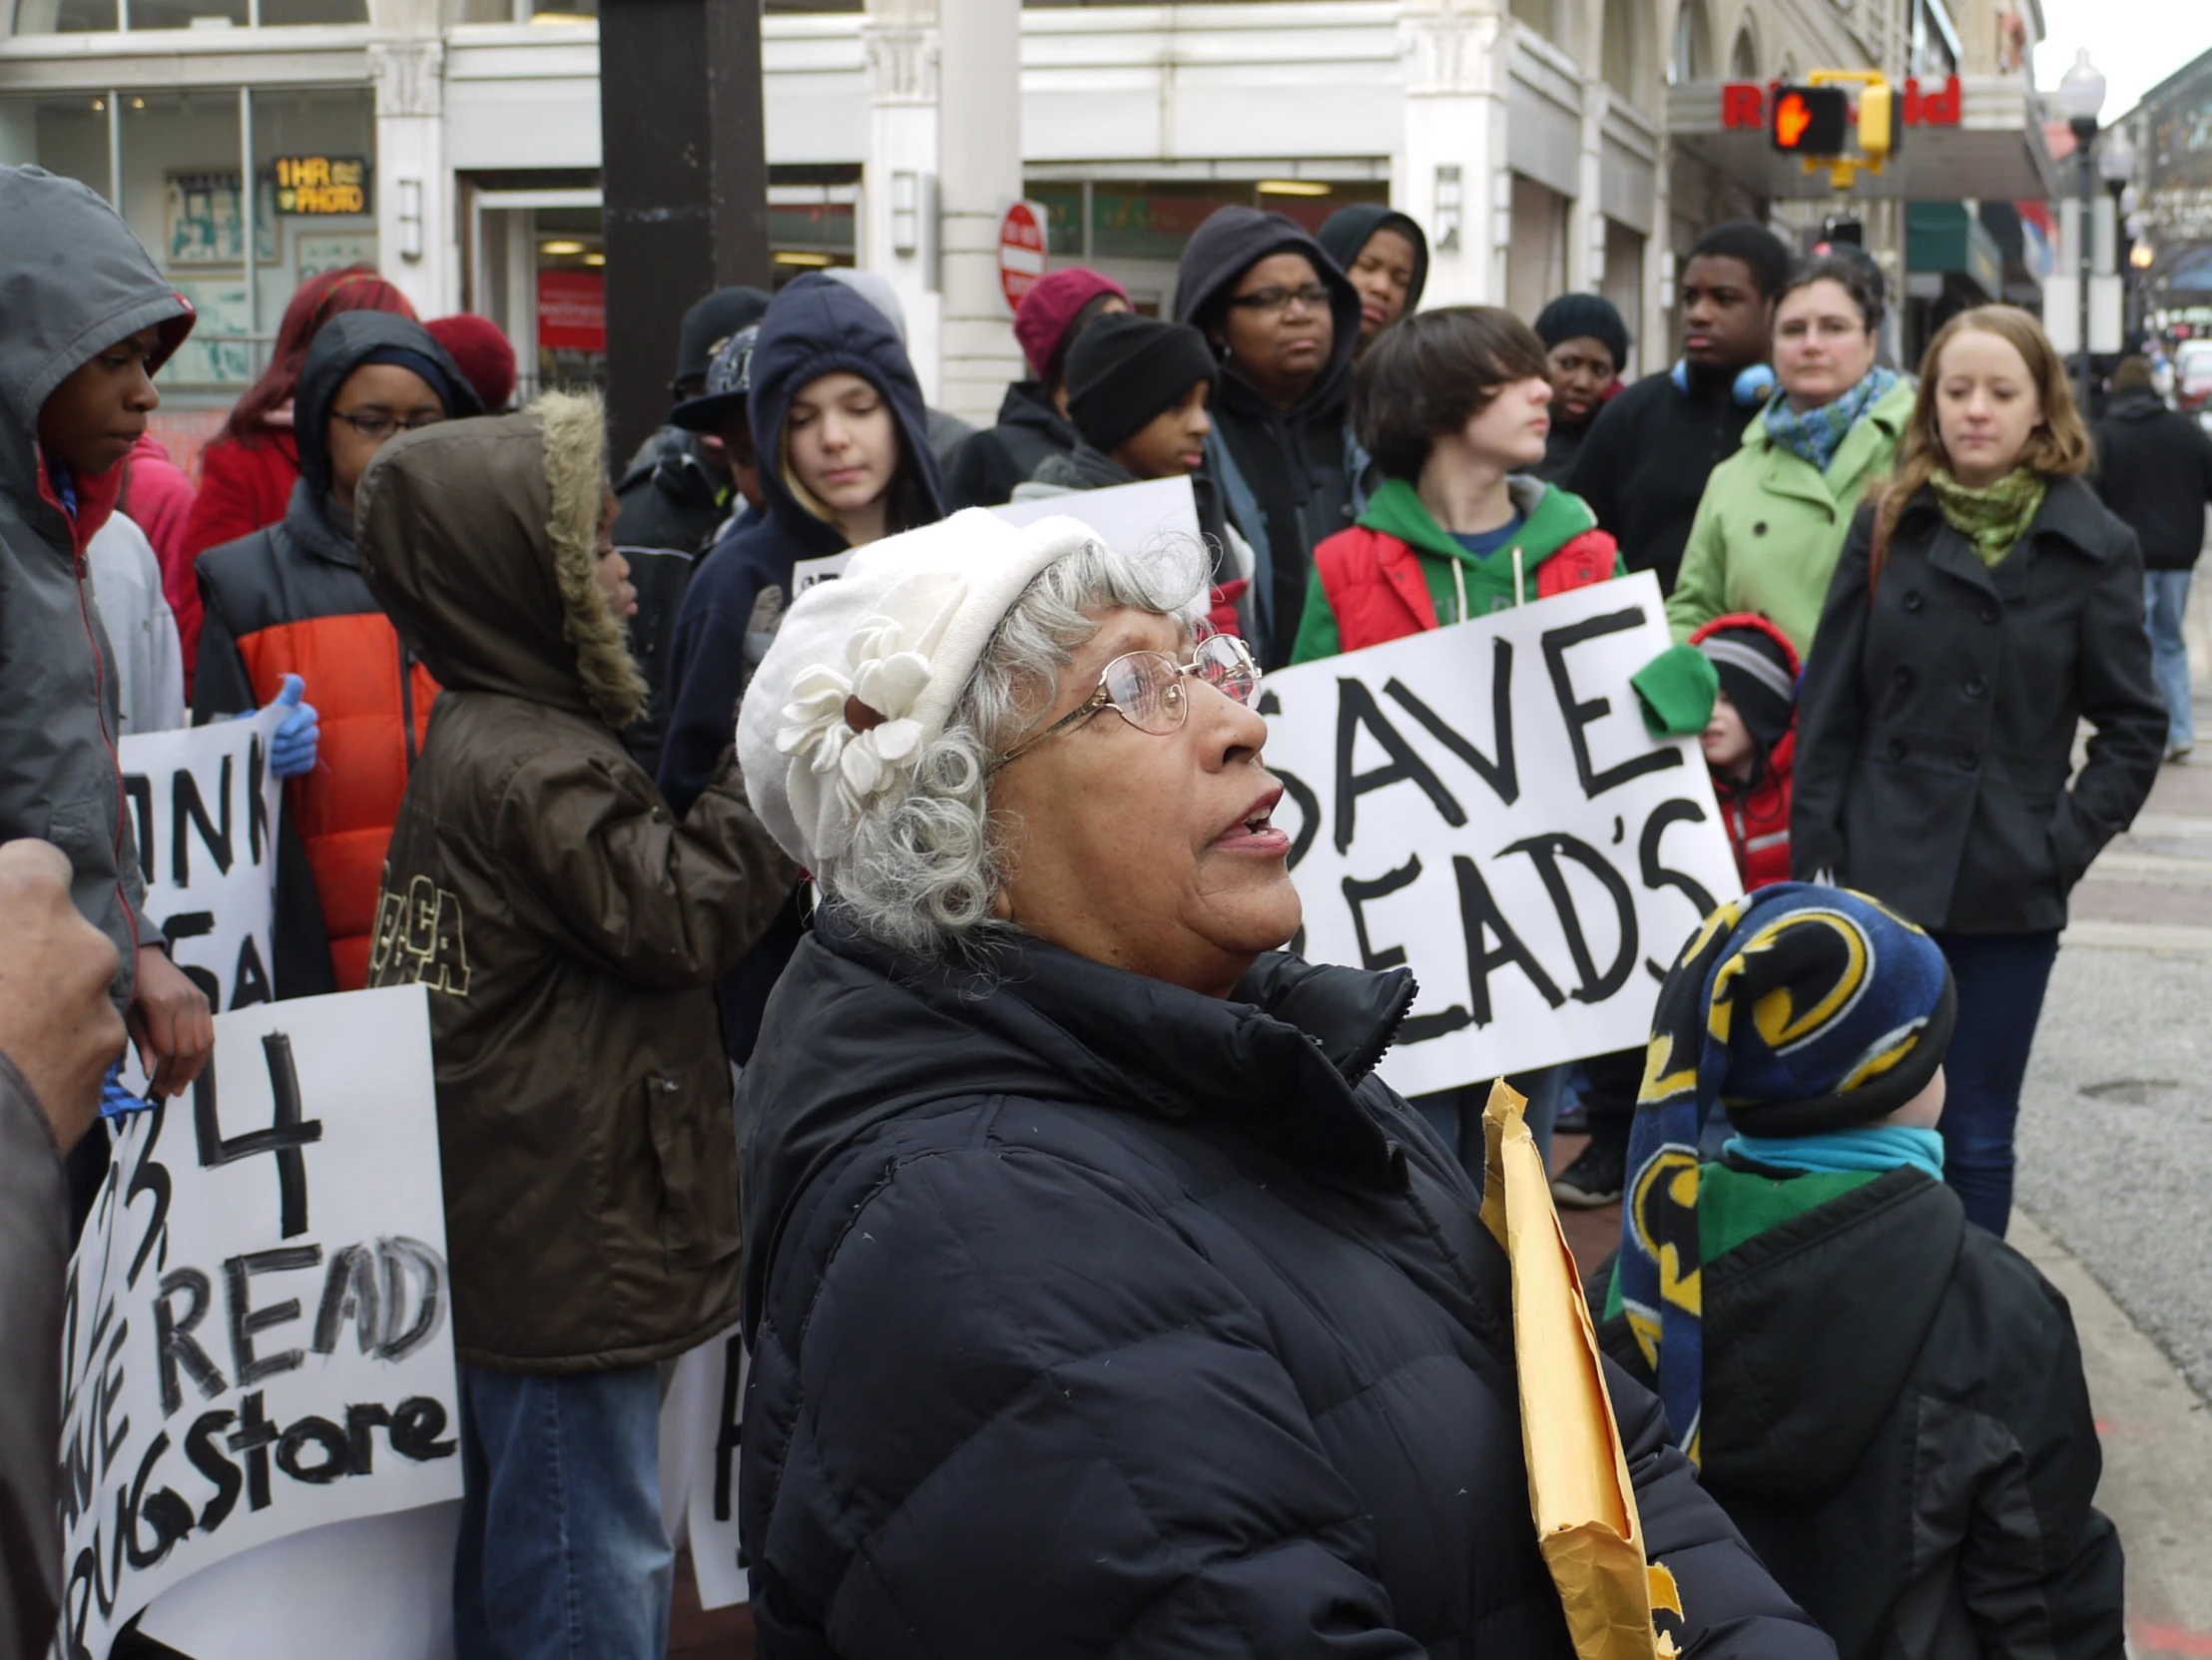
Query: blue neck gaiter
{"points": [[1870, 1147]]}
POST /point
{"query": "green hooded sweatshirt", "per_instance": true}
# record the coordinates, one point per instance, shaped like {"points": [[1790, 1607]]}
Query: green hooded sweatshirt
{"points": [[1675, 688]]}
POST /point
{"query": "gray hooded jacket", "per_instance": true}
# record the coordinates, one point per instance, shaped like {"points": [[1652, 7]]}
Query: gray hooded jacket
{"points": [[73, 282]]}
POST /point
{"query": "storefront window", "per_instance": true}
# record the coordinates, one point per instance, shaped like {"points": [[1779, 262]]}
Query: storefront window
{"points": [[170, 162], [72, 17]]}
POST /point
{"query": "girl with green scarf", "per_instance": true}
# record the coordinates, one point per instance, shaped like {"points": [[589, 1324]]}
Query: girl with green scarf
{"points": [[1775, 514], [1983, 605]]}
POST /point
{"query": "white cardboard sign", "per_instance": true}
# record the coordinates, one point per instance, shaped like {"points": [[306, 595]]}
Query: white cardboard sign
{"points": [[701, 1418], [203, 807], [1128, 517], [1483, 803], [256, 1337]]}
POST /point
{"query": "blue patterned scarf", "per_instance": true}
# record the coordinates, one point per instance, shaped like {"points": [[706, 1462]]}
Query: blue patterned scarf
{"points": [[1815, 435]]}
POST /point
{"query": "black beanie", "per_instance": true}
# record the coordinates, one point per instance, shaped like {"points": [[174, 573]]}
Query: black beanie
{"points": [[1573, 315], [1754, 670], [1125, 369]]}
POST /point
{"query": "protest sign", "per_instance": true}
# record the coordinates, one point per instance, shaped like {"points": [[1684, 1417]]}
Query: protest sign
{"points": [[1483, 803], [204, 808], [701, 1416], [255, 1335], [1128, 517]]}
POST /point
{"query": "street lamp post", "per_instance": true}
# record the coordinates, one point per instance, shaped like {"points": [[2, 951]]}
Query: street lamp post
{"points": [[2116, 165], [2081, 97]]}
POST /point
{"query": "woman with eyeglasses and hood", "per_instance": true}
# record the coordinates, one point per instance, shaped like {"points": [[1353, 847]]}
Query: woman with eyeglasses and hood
{"points": [[841, 442], [287, 603], [1284, 322]]}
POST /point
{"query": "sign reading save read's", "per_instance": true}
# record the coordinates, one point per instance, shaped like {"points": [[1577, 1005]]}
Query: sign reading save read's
{"points": [[1483, 805]]}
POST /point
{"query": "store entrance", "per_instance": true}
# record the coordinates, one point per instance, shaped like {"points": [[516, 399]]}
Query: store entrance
{"points": [[537, 268]]}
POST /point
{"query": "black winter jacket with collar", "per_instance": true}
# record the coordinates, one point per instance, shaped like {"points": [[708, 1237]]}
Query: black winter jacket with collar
{"points": [[1895, 1416], [1935, 722], [1068, 1344]]}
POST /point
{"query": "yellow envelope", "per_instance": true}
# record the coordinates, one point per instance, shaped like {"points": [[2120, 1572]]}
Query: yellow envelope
{"points": [[1578, 1486]]}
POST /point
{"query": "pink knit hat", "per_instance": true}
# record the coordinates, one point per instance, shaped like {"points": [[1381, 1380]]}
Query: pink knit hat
{"points": [[1041, 321]]}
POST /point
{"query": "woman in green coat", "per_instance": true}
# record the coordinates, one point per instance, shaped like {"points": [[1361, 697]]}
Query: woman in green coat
{"points": [[1775, 514]]}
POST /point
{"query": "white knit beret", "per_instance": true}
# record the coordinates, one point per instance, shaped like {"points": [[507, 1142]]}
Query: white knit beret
{"points": [[901, 631]]}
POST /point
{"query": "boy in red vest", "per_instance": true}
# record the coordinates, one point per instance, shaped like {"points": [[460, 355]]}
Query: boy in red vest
{"points": [[1455, 408], [1751, 740]]}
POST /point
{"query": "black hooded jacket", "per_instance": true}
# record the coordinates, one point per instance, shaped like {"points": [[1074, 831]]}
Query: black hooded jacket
{"points": [[1291, 476], [1346, 230], [1065, 1345], [990, 464], [290, 599], [1895, 1416], [1644, 460], [2154, 471], [739, 591]]}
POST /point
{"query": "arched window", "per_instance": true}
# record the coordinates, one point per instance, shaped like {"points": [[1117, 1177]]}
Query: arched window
{"points": [[1621, 53], [1692, 59], [1742, 57]]}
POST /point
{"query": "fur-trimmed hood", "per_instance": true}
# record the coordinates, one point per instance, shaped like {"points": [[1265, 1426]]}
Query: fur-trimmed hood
{"points": [[480, 539]]}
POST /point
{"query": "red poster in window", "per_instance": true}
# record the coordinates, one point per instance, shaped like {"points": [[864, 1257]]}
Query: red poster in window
{"points": [[572, 311]]}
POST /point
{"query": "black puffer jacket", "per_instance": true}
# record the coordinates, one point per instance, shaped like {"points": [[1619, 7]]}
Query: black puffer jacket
{"points": [[2155, 470], [1936, 724], [990, 464], [1895, 1416], [1065, 1345]]}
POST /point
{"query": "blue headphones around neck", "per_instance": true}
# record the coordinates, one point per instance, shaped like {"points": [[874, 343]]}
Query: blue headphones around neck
{"points": [[1752, 386]]}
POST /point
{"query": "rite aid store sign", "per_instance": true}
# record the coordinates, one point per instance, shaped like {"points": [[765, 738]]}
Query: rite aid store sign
{"points": [[1744, 104]]}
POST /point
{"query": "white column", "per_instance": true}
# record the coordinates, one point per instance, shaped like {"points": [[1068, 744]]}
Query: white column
{"points": [[979, 171], [1586, 214], [1653, 338], [416, 238], [899, 179], [1451, 153]]}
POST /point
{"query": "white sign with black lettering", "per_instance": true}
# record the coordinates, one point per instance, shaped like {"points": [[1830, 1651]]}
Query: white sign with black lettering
{"points": [[1127, 517], [203, 807], [1483, 803], [256, 1338]]}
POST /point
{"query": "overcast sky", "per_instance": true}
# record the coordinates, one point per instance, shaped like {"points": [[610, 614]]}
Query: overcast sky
{"points": [[2137, 43]]}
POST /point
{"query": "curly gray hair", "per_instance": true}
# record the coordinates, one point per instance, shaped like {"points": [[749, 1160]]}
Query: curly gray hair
{"points": [[924, 863]]}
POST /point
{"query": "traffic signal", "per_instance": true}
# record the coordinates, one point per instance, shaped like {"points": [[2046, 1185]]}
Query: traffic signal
{"points": [[1811, 120], [1878, 120]]}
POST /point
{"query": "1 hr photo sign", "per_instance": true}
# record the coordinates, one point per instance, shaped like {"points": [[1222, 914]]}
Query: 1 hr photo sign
{"points": [[1483, 803], [256, 1337]]}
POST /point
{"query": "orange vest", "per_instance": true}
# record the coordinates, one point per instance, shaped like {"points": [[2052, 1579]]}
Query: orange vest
{"points": [[374, 701]]}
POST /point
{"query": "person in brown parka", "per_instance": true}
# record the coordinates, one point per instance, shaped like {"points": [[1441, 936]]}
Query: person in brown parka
{"points": [[569, 928]]}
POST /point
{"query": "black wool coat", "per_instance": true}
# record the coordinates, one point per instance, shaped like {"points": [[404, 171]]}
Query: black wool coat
{"points": [[1935, 722], [1069, 1341], [1895, 1416], [2154, 469]]}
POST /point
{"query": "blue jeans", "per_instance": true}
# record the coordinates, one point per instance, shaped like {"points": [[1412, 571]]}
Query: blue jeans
{"points": [[561, 1554], [2166, 600], [2000, 979], [1456, 1114]]}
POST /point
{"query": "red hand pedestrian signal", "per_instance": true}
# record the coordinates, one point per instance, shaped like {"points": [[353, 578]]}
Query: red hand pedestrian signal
{"points": [[1811, 120], [1791, 118]]}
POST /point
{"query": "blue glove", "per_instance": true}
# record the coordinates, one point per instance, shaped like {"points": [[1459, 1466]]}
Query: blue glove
{"points": [[115, 1100], [292, 751]]}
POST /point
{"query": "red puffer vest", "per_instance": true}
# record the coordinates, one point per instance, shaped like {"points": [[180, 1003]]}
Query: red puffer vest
{"points": [[1758, 814], [1379, 593]]}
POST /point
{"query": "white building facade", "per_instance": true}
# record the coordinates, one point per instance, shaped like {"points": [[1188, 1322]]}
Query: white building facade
{"points": [[1531, 139]]}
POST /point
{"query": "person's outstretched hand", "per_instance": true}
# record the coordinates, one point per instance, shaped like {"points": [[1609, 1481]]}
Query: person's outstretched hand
{"points": [[57, 1023], [292, 752], [170, 1024]]}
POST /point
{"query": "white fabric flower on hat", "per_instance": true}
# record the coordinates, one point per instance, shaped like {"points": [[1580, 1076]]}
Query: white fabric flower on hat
{"points": [[856, 723]]}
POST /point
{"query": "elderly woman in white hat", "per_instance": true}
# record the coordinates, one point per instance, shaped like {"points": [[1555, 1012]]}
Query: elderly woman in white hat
{"points": [[1101, 1297]]}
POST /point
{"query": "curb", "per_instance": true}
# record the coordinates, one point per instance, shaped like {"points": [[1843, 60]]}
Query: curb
{"points": [[2156, 1435]]}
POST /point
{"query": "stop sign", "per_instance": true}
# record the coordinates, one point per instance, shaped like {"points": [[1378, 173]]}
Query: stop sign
{"points": [[1020, 251]]}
